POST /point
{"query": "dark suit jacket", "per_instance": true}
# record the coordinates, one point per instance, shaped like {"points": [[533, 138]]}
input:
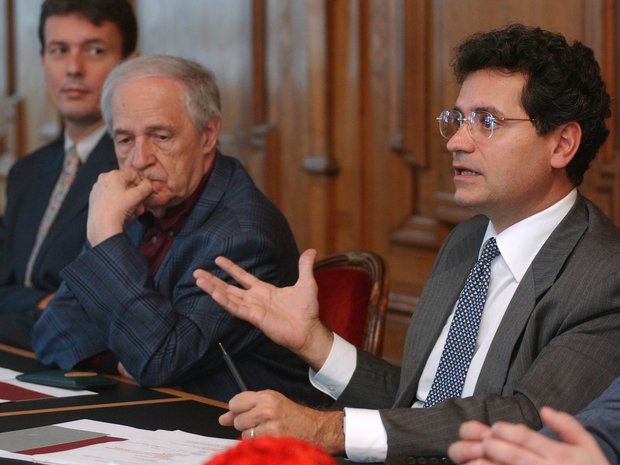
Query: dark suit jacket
{"points": [[557, 344], [163, 328], [602, 419], [29, 186]]}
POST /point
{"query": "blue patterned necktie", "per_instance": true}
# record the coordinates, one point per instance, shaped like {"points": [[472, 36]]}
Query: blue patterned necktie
{"points": [[70, 167], [461, 341]]}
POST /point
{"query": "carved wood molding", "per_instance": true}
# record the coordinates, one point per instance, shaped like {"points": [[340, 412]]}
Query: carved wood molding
{"points": [[10, 73], [410, 141], [320, 164], [266, 146], [417, 231]]}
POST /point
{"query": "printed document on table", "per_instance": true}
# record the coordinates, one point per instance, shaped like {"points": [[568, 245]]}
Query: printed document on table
{"points": [[131, 446], [12, 389]]}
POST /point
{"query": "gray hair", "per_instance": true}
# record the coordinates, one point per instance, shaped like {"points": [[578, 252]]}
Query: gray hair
{"points": [[201, 94]]}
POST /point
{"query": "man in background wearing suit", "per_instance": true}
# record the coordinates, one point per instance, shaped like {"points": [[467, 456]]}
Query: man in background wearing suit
{"points": [[132, 290], [592, 437], [47, 191], [528, 120]]}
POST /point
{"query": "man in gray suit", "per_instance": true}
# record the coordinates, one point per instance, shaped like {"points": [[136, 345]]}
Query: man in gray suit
{"points": [[528, 120]]}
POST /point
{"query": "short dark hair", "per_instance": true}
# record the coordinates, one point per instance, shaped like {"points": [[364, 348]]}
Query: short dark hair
{"points": [[118, 12], [563, 84]]}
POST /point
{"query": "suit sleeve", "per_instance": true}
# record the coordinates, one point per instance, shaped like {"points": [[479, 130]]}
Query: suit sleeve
{"points": [[568, 355], [159, 334], [15, 298], [602, 419]]}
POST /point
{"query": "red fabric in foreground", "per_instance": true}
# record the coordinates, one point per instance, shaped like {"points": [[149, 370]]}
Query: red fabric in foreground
{"points": [[14, 393], [343, 301], [272, 451], [69, 445]]}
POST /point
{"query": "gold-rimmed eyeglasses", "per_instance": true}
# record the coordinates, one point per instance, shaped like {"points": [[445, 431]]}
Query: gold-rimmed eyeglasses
{"points": [[481, 124]]}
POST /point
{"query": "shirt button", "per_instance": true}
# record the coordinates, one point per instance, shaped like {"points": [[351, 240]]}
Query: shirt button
{"points": [[154, 240]]}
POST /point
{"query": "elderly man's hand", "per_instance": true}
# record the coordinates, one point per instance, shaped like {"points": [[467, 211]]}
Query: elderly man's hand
{"points": [[269, 413], [116, 197]]}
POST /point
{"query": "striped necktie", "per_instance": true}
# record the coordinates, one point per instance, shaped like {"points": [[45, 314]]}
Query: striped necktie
{"points": [[71, 165], [461, 341]]}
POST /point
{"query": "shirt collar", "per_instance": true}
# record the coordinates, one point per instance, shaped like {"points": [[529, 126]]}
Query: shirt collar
{"points": [[86, 145], [174, 218], [520, 243]]}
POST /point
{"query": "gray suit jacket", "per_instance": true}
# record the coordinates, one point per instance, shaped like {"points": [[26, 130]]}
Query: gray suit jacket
{"points": [[557, 344]]}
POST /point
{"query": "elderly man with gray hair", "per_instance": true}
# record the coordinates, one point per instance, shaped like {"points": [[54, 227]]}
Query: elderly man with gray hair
{"points": [[176, 203]]}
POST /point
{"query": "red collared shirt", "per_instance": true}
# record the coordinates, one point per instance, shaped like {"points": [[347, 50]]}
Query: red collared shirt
{"points": [[160, 232]]}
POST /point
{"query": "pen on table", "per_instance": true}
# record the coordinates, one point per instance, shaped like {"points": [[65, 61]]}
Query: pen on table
{"points": [[233, 369]]}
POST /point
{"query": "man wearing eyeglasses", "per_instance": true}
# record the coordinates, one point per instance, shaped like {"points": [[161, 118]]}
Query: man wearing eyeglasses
{"points": [[521, 308]]}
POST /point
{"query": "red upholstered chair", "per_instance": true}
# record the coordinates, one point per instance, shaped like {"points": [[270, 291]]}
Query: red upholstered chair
{"points": [[353, 292]]}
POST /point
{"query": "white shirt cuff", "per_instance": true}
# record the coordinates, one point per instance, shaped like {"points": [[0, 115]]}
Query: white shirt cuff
{"points": [[337, 370], [365, 438]]}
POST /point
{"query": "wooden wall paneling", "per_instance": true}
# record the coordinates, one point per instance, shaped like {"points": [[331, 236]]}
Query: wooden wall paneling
{"points": [[7, 56], [7, 80], [613, 10], [348, 204], [296, 91], [13, 137], [412, 235], [417, 228], [601, 181], [615, 37], [265, 160], [379, 61], [12, 107], [217, 34], [6, 84], [41, 119]]}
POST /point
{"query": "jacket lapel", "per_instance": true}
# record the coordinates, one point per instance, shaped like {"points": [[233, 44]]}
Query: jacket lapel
{"points": [[541, 275], [101, 159], [47, 175], [214, 190], [436, 304]]}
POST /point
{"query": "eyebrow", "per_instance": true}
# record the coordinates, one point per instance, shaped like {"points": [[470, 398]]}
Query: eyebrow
{"points": [[158, 127], [489, 108], [122, 132], [94, 41], [148, 130]]}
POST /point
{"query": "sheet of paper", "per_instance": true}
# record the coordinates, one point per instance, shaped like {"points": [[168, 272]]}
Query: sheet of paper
{"points": [[46, 391], [43, 436], [159, 447], [6, 373], [20, 390]]}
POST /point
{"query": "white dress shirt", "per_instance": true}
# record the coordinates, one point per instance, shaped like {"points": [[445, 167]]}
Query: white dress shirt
{"points": [[86, 145], [365, 435]]}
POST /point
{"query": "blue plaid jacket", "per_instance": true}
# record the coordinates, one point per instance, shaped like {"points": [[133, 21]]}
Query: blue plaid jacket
{"points": [[163, 328]]}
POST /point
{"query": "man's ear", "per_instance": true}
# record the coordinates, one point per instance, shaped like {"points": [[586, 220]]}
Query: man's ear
{"points": [[211, 133], [567, 139]]}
